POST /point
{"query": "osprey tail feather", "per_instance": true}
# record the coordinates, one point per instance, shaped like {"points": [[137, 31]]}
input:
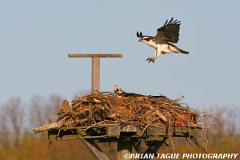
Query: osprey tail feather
{"points": [[175, 49], [184, 52]]}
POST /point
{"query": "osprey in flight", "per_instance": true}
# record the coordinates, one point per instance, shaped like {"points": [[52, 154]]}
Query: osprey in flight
{"points": [[163, 41]]}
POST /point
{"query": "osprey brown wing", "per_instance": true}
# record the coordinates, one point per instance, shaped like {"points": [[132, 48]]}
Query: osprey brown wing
{"points": [[169, 32]]}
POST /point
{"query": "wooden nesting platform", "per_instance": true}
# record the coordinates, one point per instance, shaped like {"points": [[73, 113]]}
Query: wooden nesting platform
{"points": [[125, 118], [114, 132]]}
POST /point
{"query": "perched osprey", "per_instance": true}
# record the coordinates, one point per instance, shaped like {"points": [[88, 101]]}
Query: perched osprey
{"points": [[163, 41], [120, 92]]}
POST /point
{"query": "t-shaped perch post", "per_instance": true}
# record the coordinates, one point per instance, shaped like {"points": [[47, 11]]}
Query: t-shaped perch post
{"points": [[95, 66]]}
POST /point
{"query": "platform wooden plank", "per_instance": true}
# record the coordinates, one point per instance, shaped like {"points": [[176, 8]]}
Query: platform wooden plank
{"points": [[114, 131]]}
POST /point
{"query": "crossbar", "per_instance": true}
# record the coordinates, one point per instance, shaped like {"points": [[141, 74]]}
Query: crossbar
{"points": [[77, 55]]}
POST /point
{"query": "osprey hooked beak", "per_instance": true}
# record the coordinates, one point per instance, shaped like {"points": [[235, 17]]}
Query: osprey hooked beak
{"points": [[140, 36]]}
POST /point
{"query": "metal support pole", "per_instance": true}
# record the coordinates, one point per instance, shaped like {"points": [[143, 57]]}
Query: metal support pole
{"points": [[124, 149], [154, 147], [95, 75]]}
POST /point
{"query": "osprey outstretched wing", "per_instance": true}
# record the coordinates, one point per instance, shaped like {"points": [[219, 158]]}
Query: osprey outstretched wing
{"points": [[164, 39], [169, 32]]}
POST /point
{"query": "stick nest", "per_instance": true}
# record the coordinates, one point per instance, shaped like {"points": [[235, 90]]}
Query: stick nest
{"points": [[138, 110]]}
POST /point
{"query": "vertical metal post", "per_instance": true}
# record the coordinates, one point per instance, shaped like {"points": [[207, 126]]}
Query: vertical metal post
{"points": [[95, 75], [124, 149]]}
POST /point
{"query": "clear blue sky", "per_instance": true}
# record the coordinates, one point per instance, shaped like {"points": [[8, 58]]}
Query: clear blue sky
{"points": [[36, 36]]}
